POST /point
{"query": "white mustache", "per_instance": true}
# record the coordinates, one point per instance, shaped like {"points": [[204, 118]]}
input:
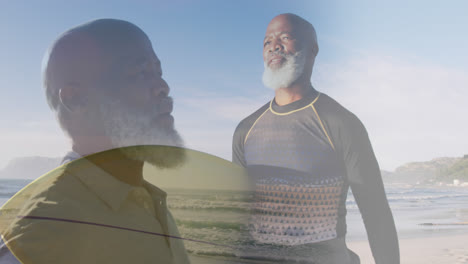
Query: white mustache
{"points": [[278, 53]]}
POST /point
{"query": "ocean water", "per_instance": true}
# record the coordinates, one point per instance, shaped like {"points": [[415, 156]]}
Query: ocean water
{"points": [[9, 187], [214, 223]]}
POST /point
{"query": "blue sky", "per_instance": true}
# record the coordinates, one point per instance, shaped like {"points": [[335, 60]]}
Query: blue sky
{"points": [[399, 65]]}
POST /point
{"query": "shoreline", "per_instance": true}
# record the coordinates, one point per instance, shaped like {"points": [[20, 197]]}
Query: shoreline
{"points": [[430, 248], [435, 248], [441, 240]]}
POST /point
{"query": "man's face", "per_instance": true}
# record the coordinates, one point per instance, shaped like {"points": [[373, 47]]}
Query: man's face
{"points": [[135, 80], [281, 37], [283, 55], [135, 107]]}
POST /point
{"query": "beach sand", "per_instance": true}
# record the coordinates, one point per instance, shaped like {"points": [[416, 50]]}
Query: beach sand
{"points": [[437, 249]]}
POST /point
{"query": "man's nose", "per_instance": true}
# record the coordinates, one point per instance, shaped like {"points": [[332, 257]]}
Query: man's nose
{"points": [[161, 88], [276, 46]]}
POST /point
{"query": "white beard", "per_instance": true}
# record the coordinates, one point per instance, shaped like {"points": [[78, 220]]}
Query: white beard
{"points": [[128, 127], [287, 74]]}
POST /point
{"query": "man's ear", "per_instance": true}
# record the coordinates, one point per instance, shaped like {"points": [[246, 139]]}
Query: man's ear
{"points": [[73, 97]]}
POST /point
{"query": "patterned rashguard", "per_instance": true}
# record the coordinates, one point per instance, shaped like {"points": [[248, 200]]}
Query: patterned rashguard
{"points": [[299, 179], [303, 158]]}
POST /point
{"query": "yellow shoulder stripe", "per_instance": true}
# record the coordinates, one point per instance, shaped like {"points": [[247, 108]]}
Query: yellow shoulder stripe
{"points": [[246, 136], [323, 127]]}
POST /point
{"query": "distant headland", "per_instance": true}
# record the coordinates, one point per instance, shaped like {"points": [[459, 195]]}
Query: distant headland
{"points": [[439, 171]]}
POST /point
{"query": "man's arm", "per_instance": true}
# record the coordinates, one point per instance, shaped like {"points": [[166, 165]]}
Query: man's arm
{"points": [[240, 135], [238, 147], [367, 187]]}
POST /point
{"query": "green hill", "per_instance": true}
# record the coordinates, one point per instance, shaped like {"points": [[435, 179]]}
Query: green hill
{"points": [[459, 170]]}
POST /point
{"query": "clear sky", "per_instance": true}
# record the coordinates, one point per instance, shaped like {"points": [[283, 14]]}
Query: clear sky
{"points": [[400, 66]]}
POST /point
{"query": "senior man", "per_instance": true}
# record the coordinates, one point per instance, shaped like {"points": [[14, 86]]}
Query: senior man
{"points": [[304, 151], [104, 83]]}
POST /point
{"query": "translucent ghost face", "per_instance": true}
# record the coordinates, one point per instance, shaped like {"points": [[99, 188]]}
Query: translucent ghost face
{"points": [[134, 127]]}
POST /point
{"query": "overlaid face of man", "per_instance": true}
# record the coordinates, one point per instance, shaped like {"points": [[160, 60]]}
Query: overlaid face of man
{"points": [[136, 107], [104, 82]]}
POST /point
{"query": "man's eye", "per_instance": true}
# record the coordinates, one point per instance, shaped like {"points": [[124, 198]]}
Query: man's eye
{"points": [[266, 43], [285, 37]]}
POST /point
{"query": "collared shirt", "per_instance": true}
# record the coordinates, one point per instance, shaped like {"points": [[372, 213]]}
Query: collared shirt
{"points": [[78, 213]]}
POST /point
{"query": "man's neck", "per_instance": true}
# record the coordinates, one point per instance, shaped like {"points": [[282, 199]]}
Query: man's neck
{"points": [[117, 164], [295, 92]]}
